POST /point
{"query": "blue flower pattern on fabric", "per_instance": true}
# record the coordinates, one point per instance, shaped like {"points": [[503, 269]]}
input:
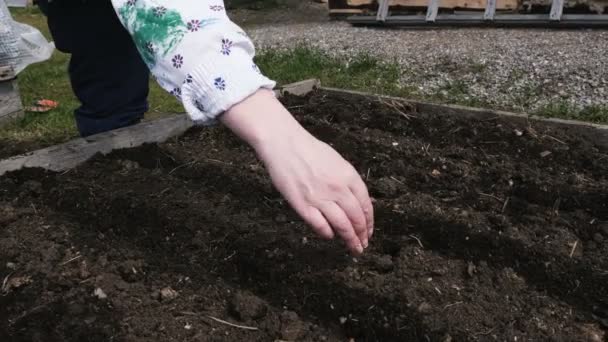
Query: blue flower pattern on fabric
{"points": [[150, 47], [194, 25], [220, 83], [160, 11], [226, 46], [178, 67], [199, 105], [178, 61], [177, 92]]}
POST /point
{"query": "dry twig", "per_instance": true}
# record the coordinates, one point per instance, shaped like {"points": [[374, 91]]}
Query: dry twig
{"points": [[573, 248], [232, 324], [69, 261], [417, 239]]}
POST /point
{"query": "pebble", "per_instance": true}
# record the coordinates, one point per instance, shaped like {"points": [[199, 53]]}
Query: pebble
{"points": [[99, 293], [168, 294], [526, 67]]}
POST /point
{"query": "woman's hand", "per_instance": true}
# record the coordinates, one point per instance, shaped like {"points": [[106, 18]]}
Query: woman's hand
{"points": [[322, 187]]}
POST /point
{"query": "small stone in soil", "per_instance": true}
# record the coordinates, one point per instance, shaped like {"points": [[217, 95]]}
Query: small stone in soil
{"points": [[99, 293], [168, 294]]}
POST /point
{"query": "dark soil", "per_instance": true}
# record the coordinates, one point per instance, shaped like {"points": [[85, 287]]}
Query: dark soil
{"points": [[478, 238]]}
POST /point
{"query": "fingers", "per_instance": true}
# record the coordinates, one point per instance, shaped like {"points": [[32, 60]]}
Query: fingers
{"points": [[359, 189], [341, 225], [352, 208], [318, 223]]}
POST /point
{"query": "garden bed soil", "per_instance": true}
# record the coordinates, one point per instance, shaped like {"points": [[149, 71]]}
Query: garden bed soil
{"points": [[485, 230]]}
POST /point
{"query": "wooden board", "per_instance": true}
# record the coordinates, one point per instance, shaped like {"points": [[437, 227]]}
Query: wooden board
{"points": [[68, 155], [466, 4]]}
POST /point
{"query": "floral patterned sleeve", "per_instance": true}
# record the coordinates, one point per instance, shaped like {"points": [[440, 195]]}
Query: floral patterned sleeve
{"points": [[195, 52]]}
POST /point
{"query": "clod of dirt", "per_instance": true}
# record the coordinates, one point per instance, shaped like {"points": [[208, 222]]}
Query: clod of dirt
{"points": [[425, 308], [597, 237], [604, 229], [386, 187], [167, 294], [7, 214], [592, 333], [33, 186], [12, 283], [292, 328], [83, 271], [382, 263], [281, 218], [246, 306], [471, 269], [131, 270]]}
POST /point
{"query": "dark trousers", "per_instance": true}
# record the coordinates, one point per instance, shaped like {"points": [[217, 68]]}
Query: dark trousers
{"points": [[107, 74]]}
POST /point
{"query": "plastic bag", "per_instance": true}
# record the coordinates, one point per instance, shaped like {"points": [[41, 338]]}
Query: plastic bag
{"points": [[21, 44]]}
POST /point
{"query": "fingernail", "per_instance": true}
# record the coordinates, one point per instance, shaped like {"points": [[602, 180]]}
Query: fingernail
{"points": [[365, 244], [359, 249]]}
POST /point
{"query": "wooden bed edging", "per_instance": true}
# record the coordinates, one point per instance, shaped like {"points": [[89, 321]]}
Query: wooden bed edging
{"points": [[68, 155], [74, 152]]}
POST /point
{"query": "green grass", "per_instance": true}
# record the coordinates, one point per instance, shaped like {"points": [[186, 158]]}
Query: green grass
{"points": [[50, 80], [564, 110]]}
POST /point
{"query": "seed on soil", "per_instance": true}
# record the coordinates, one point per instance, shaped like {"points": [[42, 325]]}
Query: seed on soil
{"points": [[545, 154], [11, 266], [435, 173]]}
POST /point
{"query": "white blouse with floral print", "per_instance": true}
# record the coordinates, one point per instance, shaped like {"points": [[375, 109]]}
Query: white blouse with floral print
{"points": [[195, 52]]}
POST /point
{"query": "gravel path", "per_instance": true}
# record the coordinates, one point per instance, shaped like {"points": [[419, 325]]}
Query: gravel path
{"points": [[506, 68]]}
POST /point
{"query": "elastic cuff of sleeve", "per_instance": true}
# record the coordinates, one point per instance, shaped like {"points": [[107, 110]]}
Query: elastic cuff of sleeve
{"points": [[215, 86]]}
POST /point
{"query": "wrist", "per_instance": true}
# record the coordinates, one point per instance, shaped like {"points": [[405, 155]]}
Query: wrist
{"points": [[261, 121]]}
